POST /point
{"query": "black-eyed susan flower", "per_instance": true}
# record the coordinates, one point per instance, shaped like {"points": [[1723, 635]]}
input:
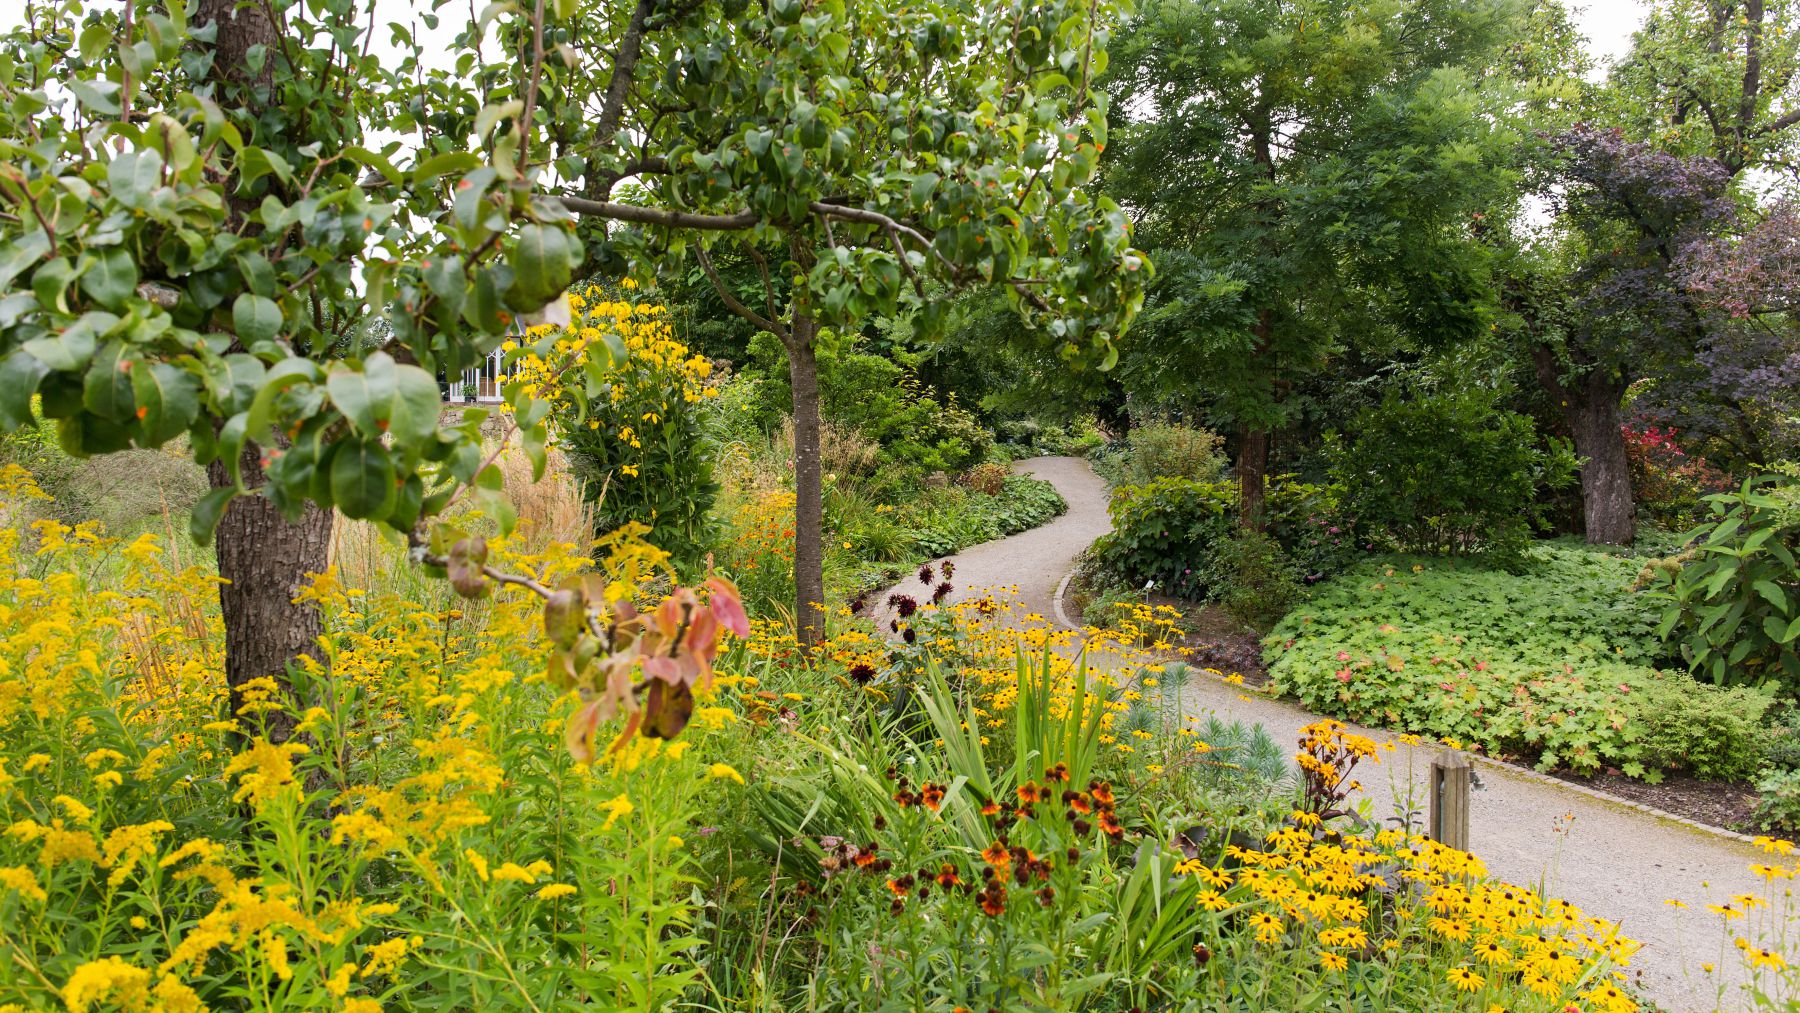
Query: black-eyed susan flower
{"points": [[1465, 979]]}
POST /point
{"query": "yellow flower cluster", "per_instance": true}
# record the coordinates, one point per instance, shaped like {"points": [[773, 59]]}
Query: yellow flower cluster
{"points": [[1332, 898], [420, 820]]}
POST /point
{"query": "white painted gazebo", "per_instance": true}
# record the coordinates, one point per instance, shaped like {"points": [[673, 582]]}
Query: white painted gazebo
{"points": [[487, 379]]}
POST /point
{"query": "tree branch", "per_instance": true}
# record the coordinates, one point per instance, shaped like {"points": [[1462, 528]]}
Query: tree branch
{"points": [[624, 73], [661, 216], [762, 268], [732, 302], [894, 228], [1782, 123]]}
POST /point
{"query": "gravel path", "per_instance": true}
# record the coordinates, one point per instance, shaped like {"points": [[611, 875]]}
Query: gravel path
{"points": [[1030, 564], [1613, 860]]}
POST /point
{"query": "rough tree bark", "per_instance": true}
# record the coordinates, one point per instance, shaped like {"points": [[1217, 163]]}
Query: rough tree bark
{"points": [[1252, 473], [1590, 408], [809, 493], [1253, 444], [266, 560], [263, 558]]}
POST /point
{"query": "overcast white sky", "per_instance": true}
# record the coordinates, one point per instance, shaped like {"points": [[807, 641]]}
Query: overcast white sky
{"points": [[1608, 25]]}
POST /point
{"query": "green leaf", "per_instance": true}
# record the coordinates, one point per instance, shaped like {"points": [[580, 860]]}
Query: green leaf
{"points": [[923, 186], [541, 261], [106, 391], [111, 278], [373, 160], [362, 480], [1778, 631], [98, 96], [70, 351], [20, 254], [134, 176], [95, 40], [230, 441], [444, 165], [255, 318], [1773, 594], [282, 375], [255, 163], [417, 406], [167, 401], [20, 374], [367, 397], [50, 283], [208, 511]]}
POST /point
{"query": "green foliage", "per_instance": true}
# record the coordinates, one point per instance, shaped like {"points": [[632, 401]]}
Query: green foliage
{"points": [[1164, 531], [1735, 599], [639, 450], [1284, 151], [213, 270], [1779, 806], [1554, 664], [1167, 530], [919, 430], [1030, 436], [1714, 733], [1448, 473], [1253, 578], [1784, 738], [1163, 450], [954, 519]]}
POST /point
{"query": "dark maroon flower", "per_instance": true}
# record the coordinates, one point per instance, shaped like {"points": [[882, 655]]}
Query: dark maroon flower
{"points": [[861, 673], [908, 635], [943, 591], [904, 605], [925, 575], [948, 568]]}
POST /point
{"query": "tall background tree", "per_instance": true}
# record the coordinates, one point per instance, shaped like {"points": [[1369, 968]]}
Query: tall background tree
{"points": [[873, 159], [1309, 176], [1608, 303], [1687, 131]]}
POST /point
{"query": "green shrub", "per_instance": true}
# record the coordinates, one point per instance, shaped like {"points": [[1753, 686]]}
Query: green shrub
{"points": [[949, 520], [920, 432], [1164, 531], [1447, 473], [1784, 739], [1554, 664], [1169, 450], [639, 448], [1031, 437], [1168, 530], [1253, 579], [1779, 807], [1713, 733], [1734, 598]]}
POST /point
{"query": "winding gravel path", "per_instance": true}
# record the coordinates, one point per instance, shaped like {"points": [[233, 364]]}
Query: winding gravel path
{"points": [[1612, 859]]}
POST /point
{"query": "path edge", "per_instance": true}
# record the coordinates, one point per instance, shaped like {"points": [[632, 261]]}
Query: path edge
{"points": [[1514, 769]]}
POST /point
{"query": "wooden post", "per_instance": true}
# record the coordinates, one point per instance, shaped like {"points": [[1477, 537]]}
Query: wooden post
{"points": [[1450, 800]]}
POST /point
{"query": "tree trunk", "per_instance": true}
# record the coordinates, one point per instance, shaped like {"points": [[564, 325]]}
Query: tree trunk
{"points": [[1608, 516], [1253, 443], [266, 559], [1252, 471], [809, 493], [1590, 408]]}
